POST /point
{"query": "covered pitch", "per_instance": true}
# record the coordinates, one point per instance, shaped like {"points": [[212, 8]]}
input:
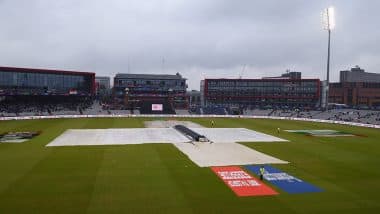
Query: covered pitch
{"points": [[82, 137], [222, 149], [225, 154]]}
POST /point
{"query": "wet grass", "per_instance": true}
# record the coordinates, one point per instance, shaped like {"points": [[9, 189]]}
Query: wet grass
{"points": [[157, 178]]}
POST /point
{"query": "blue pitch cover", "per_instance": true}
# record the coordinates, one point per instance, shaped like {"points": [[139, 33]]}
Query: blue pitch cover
{"points": [[283, 180]]}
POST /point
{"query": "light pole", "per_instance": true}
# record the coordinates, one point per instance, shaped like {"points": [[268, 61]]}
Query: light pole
{"points": [[328, 21]]}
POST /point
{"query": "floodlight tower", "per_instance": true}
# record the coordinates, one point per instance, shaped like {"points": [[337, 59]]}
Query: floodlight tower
{"points": [[328, 21]]}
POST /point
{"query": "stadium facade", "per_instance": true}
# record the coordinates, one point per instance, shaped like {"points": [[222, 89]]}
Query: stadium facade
{"points": [[141, 90], [30, 81], [271, 92]]}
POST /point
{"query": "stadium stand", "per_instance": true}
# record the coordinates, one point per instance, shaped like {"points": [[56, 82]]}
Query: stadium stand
{"points": [[216, 110], [41, 92], [182, 111], [11, 107], [44, 105], [347, 115]]}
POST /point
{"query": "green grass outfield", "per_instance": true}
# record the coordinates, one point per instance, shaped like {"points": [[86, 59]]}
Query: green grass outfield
{"points": [[158, 178]]}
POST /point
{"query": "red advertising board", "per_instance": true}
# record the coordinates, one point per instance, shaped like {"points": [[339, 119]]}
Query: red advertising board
{"points": [[241, 182]]}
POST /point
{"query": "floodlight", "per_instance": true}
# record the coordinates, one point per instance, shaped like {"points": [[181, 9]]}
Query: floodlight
{"points": [[328, 18], [328, 21]]}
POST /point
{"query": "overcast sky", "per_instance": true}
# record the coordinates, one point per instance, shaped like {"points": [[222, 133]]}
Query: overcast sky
{"points": [[198, 38]]}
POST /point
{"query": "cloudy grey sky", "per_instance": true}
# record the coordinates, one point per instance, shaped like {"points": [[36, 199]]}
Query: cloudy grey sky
{"points": [[198, 38]]}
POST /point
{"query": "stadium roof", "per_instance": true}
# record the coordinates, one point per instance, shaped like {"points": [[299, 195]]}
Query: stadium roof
{"points": [[41, 70], [150, 76]]}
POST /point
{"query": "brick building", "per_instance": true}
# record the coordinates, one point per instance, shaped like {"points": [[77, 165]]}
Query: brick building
{"points": [[356, 88], [355, 93]]}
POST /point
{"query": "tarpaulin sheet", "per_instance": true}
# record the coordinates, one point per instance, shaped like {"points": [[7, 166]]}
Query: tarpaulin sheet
{"points": [[241, 182], [283, 180]]}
